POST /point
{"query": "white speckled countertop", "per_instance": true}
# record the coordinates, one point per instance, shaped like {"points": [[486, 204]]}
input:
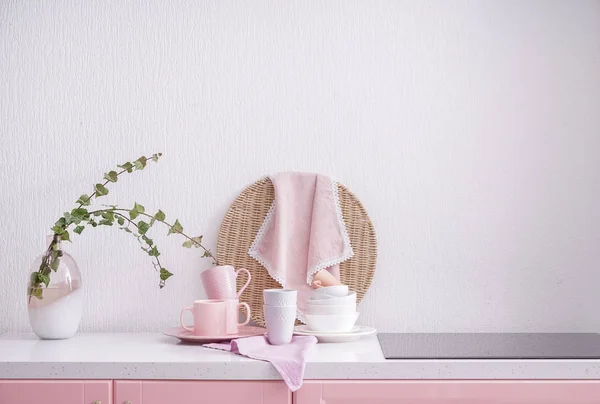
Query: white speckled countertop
{"points": [[154, 356]]}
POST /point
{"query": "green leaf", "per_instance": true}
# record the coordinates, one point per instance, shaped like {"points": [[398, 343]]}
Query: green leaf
{"points": [[108, 215], [126, 229], [54, 264], [143, 227], [206, 254], [56, 253], [148, 241], [33, 278], [127, 166], [176, 228], [194, 242], [59, 226], [84, 200], [155, 157], [45, 279], [135, 212], [37, 292], [105, 222], [58, 230], [111, 176], [164, 274], [79, 212], [100, 190], [68, 219], [77, 215], [153, 252], [160, 215], [92, 222], [65, 236], [78, 229], [120, 220], [140, 163]]}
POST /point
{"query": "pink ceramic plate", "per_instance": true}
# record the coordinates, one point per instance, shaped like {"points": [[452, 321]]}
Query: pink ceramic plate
{"points": [[188, 336]]}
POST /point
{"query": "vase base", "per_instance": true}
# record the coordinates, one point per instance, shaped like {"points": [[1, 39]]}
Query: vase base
{"points": [[57, 318]]}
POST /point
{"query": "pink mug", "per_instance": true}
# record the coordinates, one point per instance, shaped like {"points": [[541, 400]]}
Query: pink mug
{"points": [[219, 282], [210, 318], [233, 315]]}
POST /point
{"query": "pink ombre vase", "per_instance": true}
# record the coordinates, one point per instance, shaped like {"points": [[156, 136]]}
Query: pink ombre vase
{"points": [[56, 313]]}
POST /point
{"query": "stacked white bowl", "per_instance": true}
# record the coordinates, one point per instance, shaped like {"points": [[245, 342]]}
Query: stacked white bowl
{"points": [[331, 309]]}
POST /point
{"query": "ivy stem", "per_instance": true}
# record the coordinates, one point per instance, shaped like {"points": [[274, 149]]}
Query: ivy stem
{"points": [[94, 193], [170, 226], [138, 229], [161, 221], [60, 228], [45, 259]]}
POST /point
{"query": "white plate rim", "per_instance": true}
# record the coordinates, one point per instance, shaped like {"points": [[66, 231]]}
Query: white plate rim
{"points": [[362, 330], [311, 332]]}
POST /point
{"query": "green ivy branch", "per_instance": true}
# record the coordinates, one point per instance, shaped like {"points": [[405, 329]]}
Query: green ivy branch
{"points": [[125, 218]]}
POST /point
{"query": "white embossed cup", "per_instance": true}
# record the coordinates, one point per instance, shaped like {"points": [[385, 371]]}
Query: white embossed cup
{"points": [[280, 314], [280, 297], [280, 323]]}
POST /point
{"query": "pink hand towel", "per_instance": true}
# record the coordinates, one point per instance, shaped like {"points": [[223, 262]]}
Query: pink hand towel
{"points": [[303, 233], [289, 360]]}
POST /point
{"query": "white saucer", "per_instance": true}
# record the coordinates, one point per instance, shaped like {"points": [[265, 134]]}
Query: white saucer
{"points": [[355, 334]]}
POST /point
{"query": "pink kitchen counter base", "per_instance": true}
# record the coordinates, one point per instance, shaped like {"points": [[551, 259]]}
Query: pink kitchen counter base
{"points": [[56, 391], [312, 392], [449, 392]]}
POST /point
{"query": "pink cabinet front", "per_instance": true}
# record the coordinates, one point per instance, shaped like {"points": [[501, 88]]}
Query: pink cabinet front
{"points": [[201, 392], [448, 392], [55, 391]]}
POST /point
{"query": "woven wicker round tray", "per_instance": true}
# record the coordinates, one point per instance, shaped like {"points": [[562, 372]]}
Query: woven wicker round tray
{"points": [[246, 215]]}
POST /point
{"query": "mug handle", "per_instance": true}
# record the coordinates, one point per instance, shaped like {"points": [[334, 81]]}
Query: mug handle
{"points": [[237, 296], [245, 305], [191, 309]]}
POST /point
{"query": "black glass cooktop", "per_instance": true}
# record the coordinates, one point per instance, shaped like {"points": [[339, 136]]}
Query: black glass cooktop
{"points": [[490, 346]]}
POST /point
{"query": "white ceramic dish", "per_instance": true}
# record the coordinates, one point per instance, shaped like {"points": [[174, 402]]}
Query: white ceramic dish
{"points": [[337, 290], [321, 299], [330, 309], [331, 323], [353, 335]]}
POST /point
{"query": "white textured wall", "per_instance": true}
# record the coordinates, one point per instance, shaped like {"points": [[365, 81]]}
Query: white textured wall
{"points": [[470, 130]]}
